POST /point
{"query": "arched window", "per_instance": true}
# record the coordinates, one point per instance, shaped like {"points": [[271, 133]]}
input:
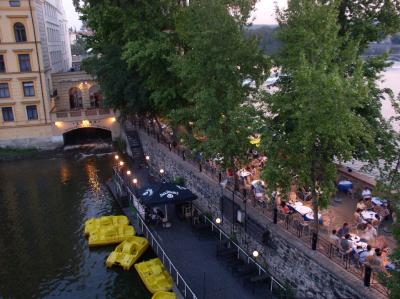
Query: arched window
{"points": [[96, 97], [20, 33], [75, 98]]}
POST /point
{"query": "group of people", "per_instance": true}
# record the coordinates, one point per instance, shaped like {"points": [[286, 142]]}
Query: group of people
{"points": [[366, 204], [364, 255]]}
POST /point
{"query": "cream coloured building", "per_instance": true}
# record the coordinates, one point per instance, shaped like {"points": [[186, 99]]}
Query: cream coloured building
{"points": [[34, 44], [24, 77], [78, 105]]}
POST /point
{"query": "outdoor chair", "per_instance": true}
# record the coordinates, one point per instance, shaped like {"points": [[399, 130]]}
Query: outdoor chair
{"points": [[300, 224]]}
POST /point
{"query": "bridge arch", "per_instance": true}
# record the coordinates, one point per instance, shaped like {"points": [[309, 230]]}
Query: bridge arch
{"points": [[84, 135]]}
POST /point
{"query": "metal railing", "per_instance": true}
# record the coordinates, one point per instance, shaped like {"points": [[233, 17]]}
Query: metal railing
{"points": [[180, 282], [80, 112], [242, 253], [324, 245]]}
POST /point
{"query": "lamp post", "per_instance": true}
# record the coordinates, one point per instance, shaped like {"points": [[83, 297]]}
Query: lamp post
{"points": [[162, 175], [256, 253], [135, 181], [233, 211], [218, 221], [245, 213]]}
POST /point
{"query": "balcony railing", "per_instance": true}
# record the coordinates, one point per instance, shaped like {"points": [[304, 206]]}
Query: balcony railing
{"points": [[81, 112]]}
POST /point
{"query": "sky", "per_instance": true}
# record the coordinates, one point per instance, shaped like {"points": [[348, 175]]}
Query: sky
{"points": [[264, 14]]}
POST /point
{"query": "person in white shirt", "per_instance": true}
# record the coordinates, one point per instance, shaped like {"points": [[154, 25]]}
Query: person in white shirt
{"points": [[366, 193], [334, 238]]}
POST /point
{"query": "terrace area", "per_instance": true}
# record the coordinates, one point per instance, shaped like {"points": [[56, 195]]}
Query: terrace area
{"points": [[259, 209]]}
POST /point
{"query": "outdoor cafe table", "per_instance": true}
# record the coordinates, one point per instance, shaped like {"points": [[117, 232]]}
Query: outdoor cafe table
{"points": [[355, 240], [310, 217], [368, 215], [300, 208], [257, 183], [379, 202], [244, 173], [345, 185]]}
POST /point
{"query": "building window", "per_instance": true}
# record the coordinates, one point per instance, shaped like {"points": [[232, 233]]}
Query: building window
{"points": [[75, 98], [29, 89], [96, 97], [8, 114], [31, 111], [2, 64], [4, 91], [24, 62], [15, 3], [20, 33]]}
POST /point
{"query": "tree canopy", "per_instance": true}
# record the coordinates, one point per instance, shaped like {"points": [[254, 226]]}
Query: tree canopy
{"points": [[218, 59], [316, 114]]}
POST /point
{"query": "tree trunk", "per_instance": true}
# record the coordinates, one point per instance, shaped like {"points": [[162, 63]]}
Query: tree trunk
{"points": [[315, 203], [316, 220], [235, 175]]}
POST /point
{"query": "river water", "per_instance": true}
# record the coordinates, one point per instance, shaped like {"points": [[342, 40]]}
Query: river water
{"points": [[391, 79], [43, 252]]}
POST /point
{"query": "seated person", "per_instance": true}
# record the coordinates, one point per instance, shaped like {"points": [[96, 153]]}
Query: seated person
{"points": [[305, 193], [383, 212], [284, 208], [357, 217], [343, 230], [369, 233], [368, 204], [333, 238], [361, 204], [366, 193], [346, 244]]}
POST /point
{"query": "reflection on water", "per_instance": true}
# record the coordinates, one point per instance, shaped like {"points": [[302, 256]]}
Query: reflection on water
{"points": [[43, 253]]}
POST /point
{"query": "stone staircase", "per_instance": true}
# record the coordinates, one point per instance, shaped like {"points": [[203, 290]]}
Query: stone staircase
{"points": [[134, 144]]}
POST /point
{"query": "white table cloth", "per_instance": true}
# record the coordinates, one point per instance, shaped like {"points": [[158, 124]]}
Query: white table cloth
{"points": [[368, 215], [244, 173]]}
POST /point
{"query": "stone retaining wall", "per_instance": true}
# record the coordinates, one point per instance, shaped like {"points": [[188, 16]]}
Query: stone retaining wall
{"points": [[312, 274]]}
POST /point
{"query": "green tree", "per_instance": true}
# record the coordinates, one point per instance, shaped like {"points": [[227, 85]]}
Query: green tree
{"points": [[217, 60], [80, 46], [314, 119], [133, 42], [368, 20]]}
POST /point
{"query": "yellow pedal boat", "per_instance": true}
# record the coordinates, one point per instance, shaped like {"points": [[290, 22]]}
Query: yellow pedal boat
{"points": [[154, 275], [128, 252], [164, 295], [111, 235], [94, 224]]}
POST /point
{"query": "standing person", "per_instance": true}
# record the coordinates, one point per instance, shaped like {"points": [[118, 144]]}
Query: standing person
{"points": [[343, 230], [364, 254], [375, 261]]}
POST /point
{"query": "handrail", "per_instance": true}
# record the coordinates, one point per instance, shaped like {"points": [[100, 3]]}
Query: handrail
{"points": [[249, 258], [154, 243]]}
